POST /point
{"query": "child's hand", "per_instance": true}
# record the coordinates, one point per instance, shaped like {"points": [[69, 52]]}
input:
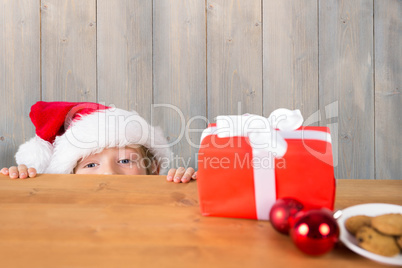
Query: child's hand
{"points": [[181, 175], [21, 172]]}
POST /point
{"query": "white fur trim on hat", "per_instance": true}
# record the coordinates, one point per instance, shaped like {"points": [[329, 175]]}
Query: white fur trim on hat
{"points": [[35, 153], [94, 132]]}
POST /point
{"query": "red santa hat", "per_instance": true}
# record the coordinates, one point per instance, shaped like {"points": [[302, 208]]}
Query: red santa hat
{"points": [[69, 131]]}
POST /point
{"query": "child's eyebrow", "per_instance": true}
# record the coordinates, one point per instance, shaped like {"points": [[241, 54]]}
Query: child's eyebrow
{"points": [[86, 159], [130, 150], [134, 155]]}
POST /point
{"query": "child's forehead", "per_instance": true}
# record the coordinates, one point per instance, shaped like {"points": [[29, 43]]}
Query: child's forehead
{"points": [[117, 151], [126, 149]]}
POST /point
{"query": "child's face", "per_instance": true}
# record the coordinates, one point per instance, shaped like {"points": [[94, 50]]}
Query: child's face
{"points": [[113, 161]]}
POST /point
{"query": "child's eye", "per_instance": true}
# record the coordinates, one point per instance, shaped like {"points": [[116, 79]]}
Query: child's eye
{"points": [[125, 161], [90, 165]]}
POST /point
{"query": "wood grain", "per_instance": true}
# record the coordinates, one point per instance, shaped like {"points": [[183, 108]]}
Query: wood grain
{"points": [[125, 221], [179, 71], [388, 82], [291, 57], [360, 191], [234, 57], [68, 47], [19, 74], [124, 54], [346, 85]]}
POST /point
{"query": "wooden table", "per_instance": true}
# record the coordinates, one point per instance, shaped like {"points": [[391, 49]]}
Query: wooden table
{"points": [[144, 221]]}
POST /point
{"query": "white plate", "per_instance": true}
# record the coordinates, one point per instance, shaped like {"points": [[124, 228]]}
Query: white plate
{"points": [[369, 210]]}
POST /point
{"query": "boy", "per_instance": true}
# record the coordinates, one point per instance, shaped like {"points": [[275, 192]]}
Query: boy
{"points": [[90, 138]]}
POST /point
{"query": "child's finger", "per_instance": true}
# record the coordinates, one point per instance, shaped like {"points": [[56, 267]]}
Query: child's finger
{"points": [[23, 171], [187, 175], [179, 174], [13, 172], [32, 172], [4, 171], [194, 177], [170, 174]]}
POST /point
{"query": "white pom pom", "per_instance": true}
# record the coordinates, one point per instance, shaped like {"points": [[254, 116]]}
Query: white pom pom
{"points": [[35, 153]]}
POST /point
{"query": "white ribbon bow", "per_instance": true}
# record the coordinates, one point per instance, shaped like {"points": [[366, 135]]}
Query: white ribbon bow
{"points": [[261, 131]]}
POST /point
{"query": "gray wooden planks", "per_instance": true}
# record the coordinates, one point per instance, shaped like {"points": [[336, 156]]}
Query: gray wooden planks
{"points": [[68, 46], [124, 54], [19, 74], [179, 71], [291, 56], [234, 57], [388, 82], [181, 63], [346, 83]]}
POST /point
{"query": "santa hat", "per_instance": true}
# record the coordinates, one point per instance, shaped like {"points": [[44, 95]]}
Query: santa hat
{"points": [[69, 131]]}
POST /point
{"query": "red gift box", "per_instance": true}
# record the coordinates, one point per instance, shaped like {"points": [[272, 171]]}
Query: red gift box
{"points": [[234, 182]]}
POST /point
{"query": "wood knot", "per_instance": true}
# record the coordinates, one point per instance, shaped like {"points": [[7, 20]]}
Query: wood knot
{"points": [[177, 196], [181, 200], [251, 93], [187, 202], [345, 137], [33, 192], [101, 186]]}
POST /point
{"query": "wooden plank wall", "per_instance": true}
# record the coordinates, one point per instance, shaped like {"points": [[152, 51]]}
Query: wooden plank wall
{"points": [[20, 75], [346, 76], [388, 87], [181, 63]]}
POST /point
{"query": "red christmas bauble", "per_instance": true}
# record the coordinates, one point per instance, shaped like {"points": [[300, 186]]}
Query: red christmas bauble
{"points": [[315, 232], [283, 212]]}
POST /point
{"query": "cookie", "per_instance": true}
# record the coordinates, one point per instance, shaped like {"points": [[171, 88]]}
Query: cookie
{"points": [[399, 241], [389, 224], [371, 240], [354, 223]]}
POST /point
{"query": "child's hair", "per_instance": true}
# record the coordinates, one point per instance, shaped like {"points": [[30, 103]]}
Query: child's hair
{"points": [[151, 165]]}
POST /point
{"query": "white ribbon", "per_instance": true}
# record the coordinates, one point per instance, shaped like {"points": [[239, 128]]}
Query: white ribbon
{"points": [[266, 143]]}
